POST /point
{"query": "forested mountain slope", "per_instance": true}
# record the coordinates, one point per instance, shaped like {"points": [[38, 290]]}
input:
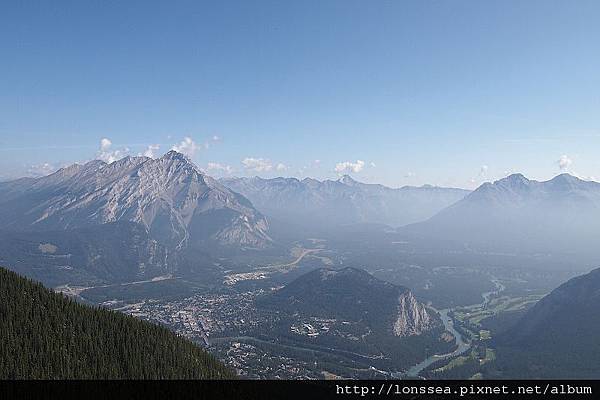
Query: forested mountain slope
{"points": [[47, 336], [558, 337]]}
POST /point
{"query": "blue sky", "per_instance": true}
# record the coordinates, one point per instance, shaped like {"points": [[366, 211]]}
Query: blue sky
{"points": [[398, 92]]}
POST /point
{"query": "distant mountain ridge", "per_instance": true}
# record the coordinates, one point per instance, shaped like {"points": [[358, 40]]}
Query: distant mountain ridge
{"points": [[517, 213], [176, 202], [345, 201]]}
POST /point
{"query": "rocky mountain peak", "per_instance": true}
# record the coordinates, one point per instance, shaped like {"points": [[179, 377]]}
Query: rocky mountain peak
{"points": [[169, 196], [566, 181], [514, 180], [174, 155], [347, 180]]}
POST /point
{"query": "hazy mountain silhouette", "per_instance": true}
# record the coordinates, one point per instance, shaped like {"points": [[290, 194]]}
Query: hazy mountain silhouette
{"points": [[515, 213], [314, 203]]}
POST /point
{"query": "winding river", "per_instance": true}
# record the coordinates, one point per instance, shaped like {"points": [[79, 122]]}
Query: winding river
{"points": [[463, 346]]}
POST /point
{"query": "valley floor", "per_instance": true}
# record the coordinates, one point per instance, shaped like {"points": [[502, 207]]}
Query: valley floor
{"points": [[224, 318]]}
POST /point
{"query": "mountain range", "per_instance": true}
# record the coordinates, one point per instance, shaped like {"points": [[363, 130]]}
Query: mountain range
{"points": [[515, 213], [179, 206], [345, 201], [151, 211], [138, 219]]}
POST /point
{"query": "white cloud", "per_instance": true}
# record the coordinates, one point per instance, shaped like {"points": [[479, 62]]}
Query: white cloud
{"points": [[41, 169], [348, 166], [149, 152], [216, 138], [213, 166], [564, 162], [483, 170], [105, 144], [281, 167], [257, 164], [187, 147], [106, 154], [409, 174], [373, 164]]}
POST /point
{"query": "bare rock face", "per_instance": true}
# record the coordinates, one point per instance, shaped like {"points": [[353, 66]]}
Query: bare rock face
{"points": [[176, 202], [413, 317], [352, 294]]}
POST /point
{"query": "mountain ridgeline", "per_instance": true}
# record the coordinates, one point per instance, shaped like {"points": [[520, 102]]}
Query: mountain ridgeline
{"points": [[47, 336], [170, 197], [355, 295], [318, 204], [350, 310], [134, 219], [517, 214]]}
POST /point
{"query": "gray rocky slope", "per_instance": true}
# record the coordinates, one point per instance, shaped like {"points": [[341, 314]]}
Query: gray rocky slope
{"points": [[169, 196]]}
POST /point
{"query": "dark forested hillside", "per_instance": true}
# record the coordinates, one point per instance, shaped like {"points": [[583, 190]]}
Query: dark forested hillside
{"points": [[44, 335], [558, 337]]}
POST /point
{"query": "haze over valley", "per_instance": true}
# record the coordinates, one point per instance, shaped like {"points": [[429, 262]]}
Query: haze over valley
{"points": [[307, 270], [309, 190]]}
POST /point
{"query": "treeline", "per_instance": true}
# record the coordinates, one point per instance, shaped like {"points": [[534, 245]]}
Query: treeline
{"points": [[44, 335]]}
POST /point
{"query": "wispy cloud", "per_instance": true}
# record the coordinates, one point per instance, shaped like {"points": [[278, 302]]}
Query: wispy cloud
{"points": [[349, 166], [107, 154], [150, 150], [213, 166], [564, 162], [257, 164], [187, 147], [190, 147], [483, 170], [43, 169]]}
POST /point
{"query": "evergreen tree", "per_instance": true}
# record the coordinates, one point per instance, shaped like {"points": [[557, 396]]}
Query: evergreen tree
{"points": [[45, 335]]}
